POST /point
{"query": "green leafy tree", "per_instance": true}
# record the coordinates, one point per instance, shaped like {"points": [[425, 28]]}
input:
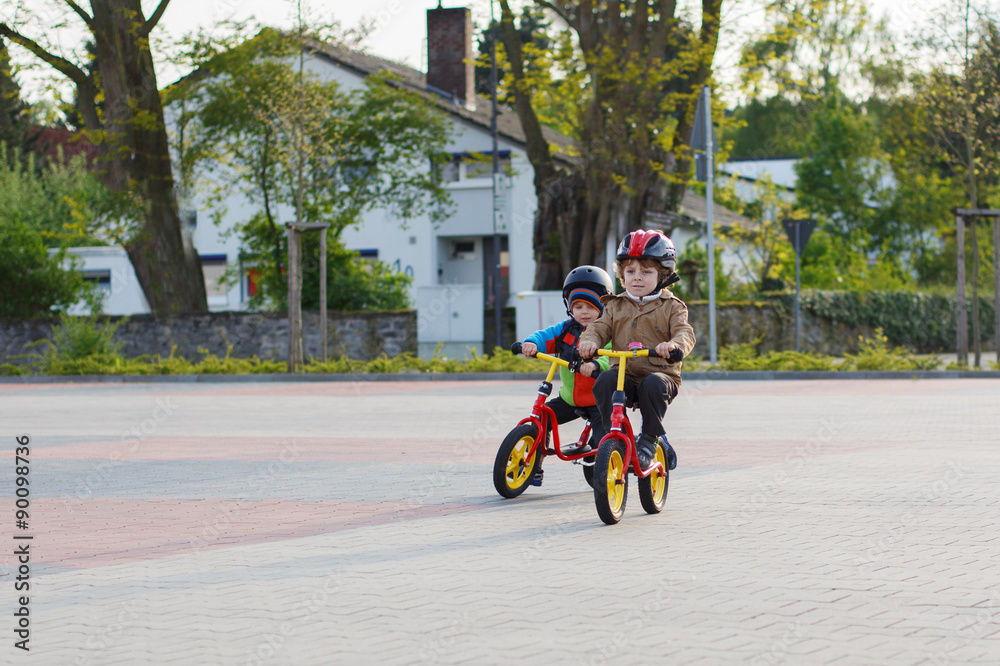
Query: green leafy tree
{"points": [[533, 28], [627, 75], [843, 179], [352, 283], [129, 131], [962, 96], [258, 124], [760, 244], [776, 126], [810, 48]]}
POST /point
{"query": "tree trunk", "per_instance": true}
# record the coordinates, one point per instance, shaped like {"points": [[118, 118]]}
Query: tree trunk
{"points": [[137, 160]]}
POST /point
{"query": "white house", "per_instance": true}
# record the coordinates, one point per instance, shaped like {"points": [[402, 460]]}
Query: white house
{"points": [[451, 264]]}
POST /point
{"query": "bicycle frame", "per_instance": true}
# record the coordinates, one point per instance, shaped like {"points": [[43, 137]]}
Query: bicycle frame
{"points": [[542, 415], [621, 428]]}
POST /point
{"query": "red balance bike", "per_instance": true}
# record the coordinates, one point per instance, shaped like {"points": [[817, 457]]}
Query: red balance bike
{"points": [[617, 453], [521, 452]]}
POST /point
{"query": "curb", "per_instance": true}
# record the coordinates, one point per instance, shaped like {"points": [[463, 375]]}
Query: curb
{"points": [[711, 375]]}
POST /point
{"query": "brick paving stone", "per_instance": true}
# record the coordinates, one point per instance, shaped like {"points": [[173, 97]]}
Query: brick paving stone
{"points": [[809, 522]]}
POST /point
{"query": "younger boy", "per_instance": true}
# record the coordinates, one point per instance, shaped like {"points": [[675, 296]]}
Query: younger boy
{"points": [[582, 292], [646, 312]]}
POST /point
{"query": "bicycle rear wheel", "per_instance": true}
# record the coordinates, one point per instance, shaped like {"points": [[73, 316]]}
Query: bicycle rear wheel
{"points": [[653, 488]]}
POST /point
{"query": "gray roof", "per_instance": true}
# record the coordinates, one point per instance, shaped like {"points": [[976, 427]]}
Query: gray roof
{"points": [[694, 212], [508, 123], [695, 208]]}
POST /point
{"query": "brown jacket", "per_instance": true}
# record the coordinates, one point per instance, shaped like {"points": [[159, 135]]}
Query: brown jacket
{"points": [[664, 319]]}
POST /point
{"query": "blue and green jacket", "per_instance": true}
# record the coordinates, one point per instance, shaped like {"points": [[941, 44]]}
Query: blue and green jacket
{"points": [[561, 340]]}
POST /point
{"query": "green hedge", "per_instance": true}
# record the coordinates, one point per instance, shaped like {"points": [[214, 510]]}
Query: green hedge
{"points": [[923, 322]]}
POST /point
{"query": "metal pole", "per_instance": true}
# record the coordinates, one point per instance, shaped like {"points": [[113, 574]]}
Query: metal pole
{"points": [[294, 300], [322, 293], [798, 314], [961, 316], [996, 285], [977, 342], [497, 286], [709, 184]]}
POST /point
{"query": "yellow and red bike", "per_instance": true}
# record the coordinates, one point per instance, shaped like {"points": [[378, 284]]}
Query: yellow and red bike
{"points": [[617, 453], [521, 452]]}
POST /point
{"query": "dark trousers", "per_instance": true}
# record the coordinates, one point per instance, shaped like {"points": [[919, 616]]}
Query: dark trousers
{"points": [[652, 395], [566, 412]]}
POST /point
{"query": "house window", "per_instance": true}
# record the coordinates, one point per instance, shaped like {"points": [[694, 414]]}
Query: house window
{"points": [[450, 171], [213, 267], [473, 166], [484, 168], [100, 278]]}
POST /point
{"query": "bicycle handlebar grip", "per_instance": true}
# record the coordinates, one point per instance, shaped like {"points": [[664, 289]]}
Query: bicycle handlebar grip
{"points": [[675, 356], [652, 353], [515, 348]]}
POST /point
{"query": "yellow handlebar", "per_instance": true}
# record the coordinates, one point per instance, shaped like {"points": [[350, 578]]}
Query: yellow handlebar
{"points": [[552, 359], [623, 354], [631, 353]]}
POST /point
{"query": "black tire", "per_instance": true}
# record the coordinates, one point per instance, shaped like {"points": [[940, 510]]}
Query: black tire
{"points": [[588, 470], [512, 472], [653, 488], [611, 481]]}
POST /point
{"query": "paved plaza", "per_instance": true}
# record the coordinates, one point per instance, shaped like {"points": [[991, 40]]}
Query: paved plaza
{"points": [[808, 522]]}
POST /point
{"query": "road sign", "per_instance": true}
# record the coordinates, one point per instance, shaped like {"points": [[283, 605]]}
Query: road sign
{"points": [[805, 228], [699, 139], [798, 232]]}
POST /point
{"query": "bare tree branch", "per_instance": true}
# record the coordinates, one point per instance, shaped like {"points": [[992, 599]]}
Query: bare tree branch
{"points": [[71, 71], [154, 18], [87, 18], [559, 10], [86, 91]]}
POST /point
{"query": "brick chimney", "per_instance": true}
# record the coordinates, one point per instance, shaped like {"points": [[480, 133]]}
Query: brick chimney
{"points": [[450, 63]]}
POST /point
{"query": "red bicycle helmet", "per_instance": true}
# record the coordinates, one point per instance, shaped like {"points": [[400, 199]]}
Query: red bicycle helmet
{"points": [[655, 245]]}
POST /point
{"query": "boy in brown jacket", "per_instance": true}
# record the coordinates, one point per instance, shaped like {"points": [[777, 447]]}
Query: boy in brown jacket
{"points": [[646, 312]]}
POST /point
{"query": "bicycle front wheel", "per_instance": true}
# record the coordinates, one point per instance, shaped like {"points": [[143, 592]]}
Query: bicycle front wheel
{"points": [[515, 465], [611, 481]]}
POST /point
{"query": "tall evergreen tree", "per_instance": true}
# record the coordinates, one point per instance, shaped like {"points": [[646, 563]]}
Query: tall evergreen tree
{"points": [[15, 123]]}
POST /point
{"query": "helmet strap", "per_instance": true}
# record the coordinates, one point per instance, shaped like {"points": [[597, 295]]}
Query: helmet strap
{"points": [[666, 282]]}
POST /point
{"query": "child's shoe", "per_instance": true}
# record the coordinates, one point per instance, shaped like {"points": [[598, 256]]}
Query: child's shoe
{"points": [[537, 479], [671, 456], [645, 449]]}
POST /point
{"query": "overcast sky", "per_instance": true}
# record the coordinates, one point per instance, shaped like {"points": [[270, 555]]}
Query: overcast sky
{"points": [[400, 25]]}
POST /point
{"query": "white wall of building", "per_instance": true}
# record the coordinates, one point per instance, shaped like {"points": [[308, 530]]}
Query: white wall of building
{"points": [[111, 271]]}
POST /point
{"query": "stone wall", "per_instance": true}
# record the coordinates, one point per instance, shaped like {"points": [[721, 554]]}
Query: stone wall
{"points": [[358, 335], [744, 322]]}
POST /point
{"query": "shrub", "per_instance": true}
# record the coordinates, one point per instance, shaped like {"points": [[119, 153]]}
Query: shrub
{"points": [[744, 357], [924, 322], [875, 354], [32, 281], [80, 346]]}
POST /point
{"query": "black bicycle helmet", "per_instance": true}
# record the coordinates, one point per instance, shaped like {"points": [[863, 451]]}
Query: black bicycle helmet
{"points": [[588, 283]]}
